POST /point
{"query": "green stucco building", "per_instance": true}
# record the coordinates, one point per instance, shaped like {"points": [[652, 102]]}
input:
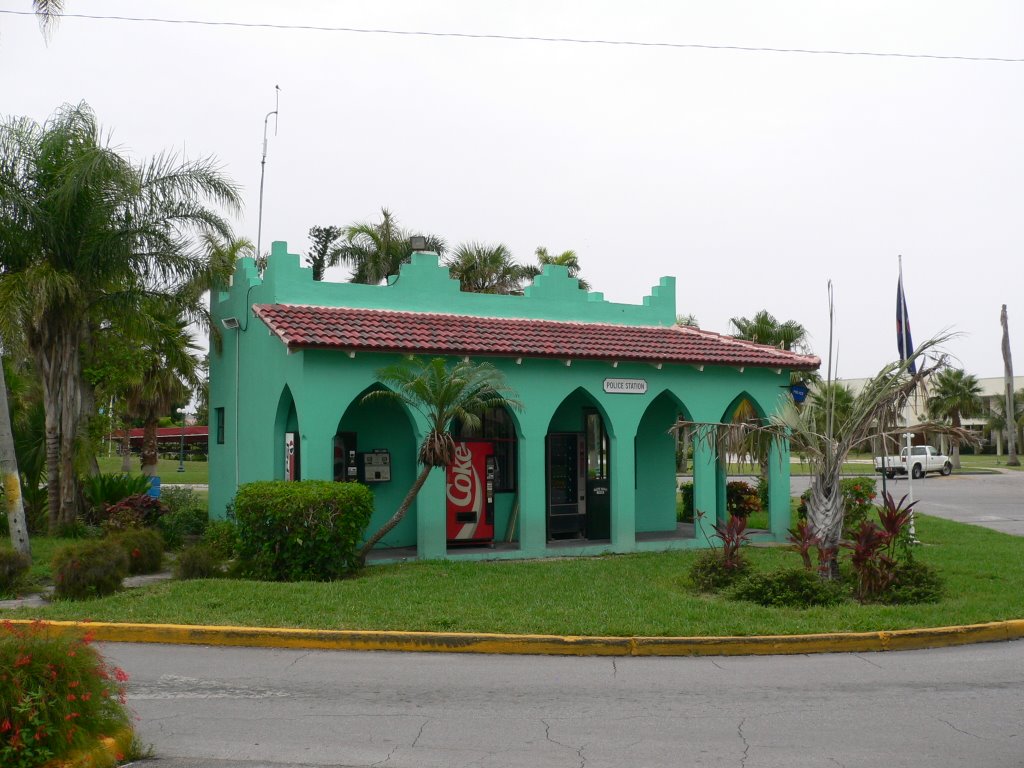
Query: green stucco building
{"points": [[587, 466]]}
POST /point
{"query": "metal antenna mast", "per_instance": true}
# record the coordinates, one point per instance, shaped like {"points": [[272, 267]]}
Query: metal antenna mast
{"points": [[263, 164]]}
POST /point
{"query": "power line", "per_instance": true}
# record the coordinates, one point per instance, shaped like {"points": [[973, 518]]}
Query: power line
{"points": [[534, 38]]}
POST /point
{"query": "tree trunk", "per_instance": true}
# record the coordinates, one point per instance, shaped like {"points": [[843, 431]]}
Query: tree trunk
{"points": [[954, 456], [13, 504], [825, 519], [150, 453], [395, 518], [1011, 422]]}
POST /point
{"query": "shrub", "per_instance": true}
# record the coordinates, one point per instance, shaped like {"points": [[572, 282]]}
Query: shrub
{"points": [[710, 574], [102, 491], [13, 569], [222, 537], [741, 498], [90, 568], [144, 548], [311, 529], [187, 515], [914, 582], [789, 588], [719, 568], [198, 562], [57, 695], [138, 511], [685, 513], [858, 495]]}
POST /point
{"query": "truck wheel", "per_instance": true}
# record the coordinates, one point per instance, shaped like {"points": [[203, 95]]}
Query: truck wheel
{"points": [[947, 468], [918, 472]]}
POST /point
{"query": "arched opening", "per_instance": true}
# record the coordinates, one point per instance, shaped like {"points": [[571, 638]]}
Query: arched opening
{"points": [[375, 444], [742, 464], [578, 470], [484, 512], [664, 484], [287, 439]]}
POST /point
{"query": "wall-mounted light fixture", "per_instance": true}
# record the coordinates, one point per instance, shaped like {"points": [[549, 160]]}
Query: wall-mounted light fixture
{"points": [[418, 242], [231, 323]]}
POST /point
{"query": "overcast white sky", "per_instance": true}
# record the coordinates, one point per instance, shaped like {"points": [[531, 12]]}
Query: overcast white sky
{"points": [[754, 178]]}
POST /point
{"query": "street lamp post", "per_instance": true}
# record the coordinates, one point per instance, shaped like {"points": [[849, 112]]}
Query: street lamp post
{"points": [[181, 447]]}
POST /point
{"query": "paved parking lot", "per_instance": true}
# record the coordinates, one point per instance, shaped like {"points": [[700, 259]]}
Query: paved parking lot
{"points": [[995, 501]]}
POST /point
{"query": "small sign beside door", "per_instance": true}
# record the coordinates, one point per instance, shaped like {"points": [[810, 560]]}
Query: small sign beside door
{"points": [[625, 386]]}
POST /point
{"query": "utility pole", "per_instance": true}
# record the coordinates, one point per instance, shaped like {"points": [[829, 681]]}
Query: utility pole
{"points": [[1011, 421]]}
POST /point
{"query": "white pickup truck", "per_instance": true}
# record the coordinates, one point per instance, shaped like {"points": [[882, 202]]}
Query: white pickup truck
{"points": [[923, 458]]}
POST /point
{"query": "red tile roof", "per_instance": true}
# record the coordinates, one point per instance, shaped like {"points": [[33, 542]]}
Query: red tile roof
{"points": [[377, 330]]}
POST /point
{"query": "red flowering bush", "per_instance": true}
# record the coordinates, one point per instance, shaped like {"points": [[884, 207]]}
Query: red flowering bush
{"points": [[144, 548], [741, 498], [57, 695], [139, 511]]}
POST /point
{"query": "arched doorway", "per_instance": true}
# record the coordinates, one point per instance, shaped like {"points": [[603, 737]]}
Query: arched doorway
{"points": [[742, 467], [287, 440], [375, 444], [662, 509], [578, 470], [498, 430]]}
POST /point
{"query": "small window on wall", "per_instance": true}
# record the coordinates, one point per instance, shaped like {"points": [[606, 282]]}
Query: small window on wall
{"points": [[496, 427], [219, 416]]}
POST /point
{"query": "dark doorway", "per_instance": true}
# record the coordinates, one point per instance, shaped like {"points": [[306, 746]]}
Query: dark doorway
{"points": [[567, 506]]}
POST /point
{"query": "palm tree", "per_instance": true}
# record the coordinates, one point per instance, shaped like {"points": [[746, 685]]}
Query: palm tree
{"points": [[481, 268], [688, 320], [567, 259], [10, 477], [168, 375], [764, 328], [375, 251], [47, 11], [996, 417], [831, 402], [83, 234], [440, 393], [954, 394], [1011, 433]]}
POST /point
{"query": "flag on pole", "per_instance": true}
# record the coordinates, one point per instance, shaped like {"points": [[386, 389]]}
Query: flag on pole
{"points": [[904, 343]]}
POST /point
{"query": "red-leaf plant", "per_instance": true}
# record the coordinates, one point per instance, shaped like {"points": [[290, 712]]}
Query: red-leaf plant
{"points": [[733, 535], [875, 569], [895, 517], [804, 540]]}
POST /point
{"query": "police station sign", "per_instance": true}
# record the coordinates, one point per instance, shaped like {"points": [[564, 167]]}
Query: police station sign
{"points": [[625, 386]]}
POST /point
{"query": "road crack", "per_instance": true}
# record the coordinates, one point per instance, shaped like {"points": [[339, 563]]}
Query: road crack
{"points": [[746, 744], [422, 726], [577, 750], [959, 730]]}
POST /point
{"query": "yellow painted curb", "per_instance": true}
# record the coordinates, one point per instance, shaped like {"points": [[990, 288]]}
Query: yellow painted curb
{"points": [[560, 645], [108, 751]]}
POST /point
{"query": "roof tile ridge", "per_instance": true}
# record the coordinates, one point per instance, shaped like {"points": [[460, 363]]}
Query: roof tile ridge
{"points": [[748, 344]]}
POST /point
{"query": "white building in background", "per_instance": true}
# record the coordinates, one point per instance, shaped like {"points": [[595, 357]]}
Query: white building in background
{"points": [[992, 395]]}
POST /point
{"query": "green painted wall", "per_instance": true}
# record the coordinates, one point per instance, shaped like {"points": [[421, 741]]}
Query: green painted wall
{"points": [[324, 384]]}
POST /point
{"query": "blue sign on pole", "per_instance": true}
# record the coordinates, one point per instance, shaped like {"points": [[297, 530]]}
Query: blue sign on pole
{"points": [[154, 487], [799, 392]]}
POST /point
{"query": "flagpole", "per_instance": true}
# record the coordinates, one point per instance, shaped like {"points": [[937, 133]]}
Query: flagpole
{"points": [[905, 354]]}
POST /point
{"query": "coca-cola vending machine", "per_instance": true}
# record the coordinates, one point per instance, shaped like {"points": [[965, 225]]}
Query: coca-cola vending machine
{"points": [[470, 491]]}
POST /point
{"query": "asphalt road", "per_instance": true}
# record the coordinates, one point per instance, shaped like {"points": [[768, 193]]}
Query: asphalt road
{"points": [[216, 707], [994, 501]]}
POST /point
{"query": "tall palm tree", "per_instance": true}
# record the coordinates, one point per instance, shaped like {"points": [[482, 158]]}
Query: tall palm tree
{"points": [[482, 268], [375, 251], [14, 507], [764, 328], [440, 393], [831, 402], [996, 418], [169, 374], [1011, 434], [47, 11], [954, 394], [567, 259], [83, 233]]}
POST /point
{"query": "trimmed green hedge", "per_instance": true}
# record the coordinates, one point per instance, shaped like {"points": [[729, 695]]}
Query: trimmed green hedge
{"points": [[301, 531]]}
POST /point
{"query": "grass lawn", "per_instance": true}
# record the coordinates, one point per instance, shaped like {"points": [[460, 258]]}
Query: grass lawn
{"points": [[196, 472], [984, 461], [640, 594]]}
